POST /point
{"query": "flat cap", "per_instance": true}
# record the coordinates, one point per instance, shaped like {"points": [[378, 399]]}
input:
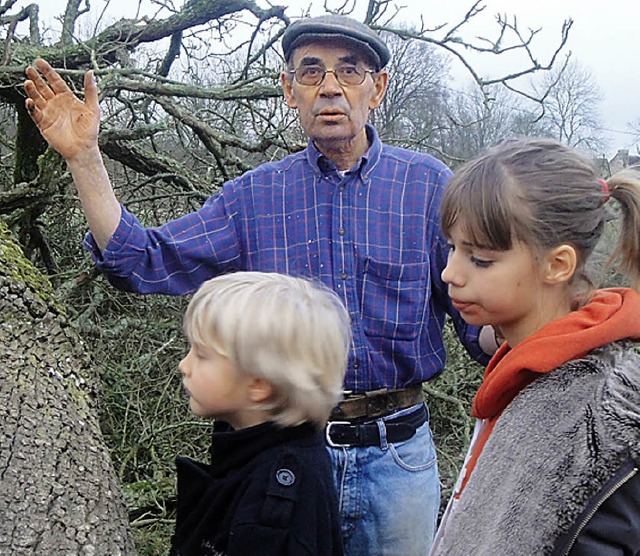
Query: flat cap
{"points": [[333, 26]]}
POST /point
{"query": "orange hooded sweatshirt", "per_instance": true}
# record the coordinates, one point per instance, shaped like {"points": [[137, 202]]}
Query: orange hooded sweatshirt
{"points": [[612, 314]]}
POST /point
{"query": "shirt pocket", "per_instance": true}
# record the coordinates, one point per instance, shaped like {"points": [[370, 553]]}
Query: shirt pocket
{"points": [[393, 298]]}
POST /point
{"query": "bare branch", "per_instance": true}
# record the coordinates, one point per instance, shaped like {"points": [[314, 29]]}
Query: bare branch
{"points": [[238, 91], [29, 12], [457, 46], [172, 54], [471, 13], [71, 14]]}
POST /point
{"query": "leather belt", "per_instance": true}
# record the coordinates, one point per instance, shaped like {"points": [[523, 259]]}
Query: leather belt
{"points": [[343, 433], [378, 403]]}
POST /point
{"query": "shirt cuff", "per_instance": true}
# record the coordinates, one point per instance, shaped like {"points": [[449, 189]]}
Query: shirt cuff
{"points": [[128, 234]]}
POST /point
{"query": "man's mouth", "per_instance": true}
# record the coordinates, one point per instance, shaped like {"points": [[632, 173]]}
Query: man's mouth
{"points": [[331, 114]]}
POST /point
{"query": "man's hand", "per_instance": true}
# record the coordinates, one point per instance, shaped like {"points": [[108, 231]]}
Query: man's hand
{"points": [[71, 127], [68, 124]]}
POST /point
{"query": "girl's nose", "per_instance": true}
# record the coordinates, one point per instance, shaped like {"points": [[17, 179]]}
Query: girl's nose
{"points": [[451, 274]]}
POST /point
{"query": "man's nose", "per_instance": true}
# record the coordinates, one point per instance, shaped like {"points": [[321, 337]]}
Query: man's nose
{"points": [[330, 85]]}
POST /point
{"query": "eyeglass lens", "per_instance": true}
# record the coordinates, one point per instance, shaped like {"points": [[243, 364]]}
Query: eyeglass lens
{"points": [[346, 75]]}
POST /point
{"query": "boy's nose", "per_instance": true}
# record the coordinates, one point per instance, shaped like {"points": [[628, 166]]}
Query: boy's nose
{"points": [[182, 366]]}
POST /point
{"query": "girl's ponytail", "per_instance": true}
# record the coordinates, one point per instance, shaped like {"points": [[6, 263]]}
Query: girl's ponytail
{"points": [[624, 187]]}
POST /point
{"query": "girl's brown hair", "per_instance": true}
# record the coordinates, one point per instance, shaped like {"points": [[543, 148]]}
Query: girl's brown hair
{"points": [[544, 194]]}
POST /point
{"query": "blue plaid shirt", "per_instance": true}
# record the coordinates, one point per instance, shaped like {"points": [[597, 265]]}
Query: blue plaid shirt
{"points": [[371, 234]]}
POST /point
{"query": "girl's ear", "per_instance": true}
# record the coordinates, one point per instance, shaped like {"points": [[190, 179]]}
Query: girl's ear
{"points": [[560, 264], [260, 390]]}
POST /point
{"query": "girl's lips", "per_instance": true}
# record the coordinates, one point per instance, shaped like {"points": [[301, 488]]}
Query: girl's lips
{"points": [[460, 306]]}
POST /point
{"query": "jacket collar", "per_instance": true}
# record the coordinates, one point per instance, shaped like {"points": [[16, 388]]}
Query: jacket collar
{"points": [[232, 449]]}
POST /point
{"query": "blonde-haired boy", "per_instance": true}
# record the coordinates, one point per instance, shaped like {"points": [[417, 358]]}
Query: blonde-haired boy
{"points": [[267, 360]]}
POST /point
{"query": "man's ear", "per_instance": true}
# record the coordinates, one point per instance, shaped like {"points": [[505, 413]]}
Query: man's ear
{"points": [[287, 88], [560, 264], [260, 390], [380, 88]]}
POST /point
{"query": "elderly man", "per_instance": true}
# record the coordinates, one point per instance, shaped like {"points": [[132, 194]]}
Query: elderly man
{"points": [[360, 216]]}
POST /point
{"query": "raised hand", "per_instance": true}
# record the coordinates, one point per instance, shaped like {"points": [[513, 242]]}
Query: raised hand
{"points": [[71, 127], [68, 124]]}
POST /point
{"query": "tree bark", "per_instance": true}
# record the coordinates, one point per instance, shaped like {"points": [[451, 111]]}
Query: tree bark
{"points": [[58, 489]]}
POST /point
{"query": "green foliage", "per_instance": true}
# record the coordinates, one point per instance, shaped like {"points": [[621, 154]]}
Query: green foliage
{"points": [[137, 344], [449, 400]]}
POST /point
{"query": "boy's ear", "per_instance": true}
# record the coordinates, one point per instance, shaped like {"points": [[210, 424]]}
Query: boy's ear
{"points": [[560, 264], [260, 390]]}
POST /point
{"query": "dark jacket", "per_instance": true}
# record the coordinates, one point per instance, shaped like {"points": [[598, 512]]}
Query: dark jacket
{"points": [[268, 491], [610, 524]]}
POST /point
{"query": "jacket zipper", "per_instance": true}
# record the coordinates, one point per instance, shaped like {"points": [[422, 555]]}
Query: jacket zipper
{"points": [[599, 503]]}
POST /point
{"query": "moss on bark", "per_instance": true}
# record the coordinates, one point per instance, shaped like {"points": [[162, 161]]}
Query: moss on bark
{"points": [[58, 490]]}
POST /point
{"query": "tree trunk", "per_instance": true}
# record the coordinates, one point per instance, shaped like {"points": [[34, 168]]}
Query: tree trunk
{"points": [[58, 490]]}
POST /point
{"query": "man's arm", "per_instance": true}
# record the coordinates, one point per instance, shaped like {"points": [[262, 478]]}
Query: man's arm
{"points": [[71, 126]]}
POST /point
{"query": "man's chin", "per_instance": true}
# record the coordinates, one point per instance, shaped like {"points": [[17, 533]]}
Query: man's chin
{"points": [[333, 138], [331, 133]]}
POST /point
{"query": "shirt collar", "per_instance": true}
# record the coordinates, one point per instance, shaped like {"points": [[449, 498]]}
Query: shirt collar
{"points": [[323, 165]]}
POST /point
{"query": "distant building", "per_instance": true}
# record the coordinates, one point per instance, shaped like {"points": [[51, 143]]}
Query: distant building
{"points": [[623, 160]]}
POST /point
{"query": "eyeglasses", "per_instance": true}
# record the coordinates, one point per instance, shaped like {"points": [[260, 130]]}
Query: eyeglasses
{"points": [[347, 75]]}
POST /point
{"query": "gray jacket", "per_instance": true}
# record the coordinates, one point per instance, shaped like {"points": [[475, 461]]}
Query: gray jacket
{"points": [[552, 450]]}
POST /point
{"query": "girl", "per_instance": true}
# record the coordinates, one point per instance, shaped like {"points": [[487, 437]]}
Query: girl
{"points": [[553, 465]]}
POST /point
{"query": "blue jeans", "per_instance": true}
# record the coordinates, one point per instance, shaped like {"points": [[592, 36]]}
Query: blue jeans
{"points": [[389, 495]]}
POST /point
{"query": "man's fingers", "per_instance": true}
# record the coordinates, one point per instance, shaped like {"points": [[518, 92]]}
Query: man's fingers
{"points": [[52, 83], [36, 115], [90, 90], [39, 87], [37, 101], [31, 90]]}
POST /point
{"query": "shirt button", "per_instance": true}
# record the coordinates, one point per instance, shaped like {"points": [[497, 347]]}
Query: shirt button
{"points": [[355, 365], [341, 231], [343, 276]]}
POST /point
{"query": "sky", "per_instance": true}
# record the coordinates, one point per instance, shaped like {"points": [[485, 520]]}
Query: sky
{"points": [[604, 39]]}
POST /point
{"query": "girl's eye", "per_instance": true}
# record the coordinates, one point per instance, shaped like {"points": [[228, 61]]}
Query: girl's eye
{"points": [[481, 263]]}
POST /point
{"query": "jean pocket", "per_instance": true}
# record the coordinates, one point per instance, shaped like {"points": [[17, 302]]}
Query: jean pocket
{"points": [[416, 454], [394, 298]]}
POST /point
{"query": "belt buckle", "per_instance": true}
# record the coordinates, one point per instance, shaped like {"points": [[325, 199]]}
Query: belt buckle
{"points": [[327, 434]]}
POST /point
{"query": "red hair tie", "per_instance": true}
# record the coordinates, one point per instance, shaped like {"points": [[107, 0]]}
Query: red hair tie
{"points": [[605, 189]]}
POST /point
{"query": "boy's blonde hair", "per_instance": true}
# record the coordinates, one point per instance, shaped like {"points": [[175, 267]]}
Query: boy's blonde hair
{"points": [[292, 332]]}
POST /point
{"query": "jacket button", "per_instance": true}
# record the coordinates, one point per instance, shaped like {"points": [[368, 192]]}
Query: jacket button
{"points": [[285, 477]]}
